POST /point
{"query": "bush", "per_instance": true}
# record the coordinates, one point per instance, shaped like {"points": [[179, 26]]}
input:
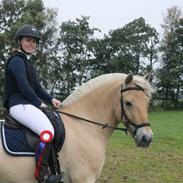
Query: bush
{"points": [[159, 105]]}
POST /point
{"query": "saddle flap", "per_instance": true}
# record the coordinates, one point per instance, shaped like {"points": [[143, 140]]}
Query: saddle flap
{"points": [[58, 126], [10, 121]]}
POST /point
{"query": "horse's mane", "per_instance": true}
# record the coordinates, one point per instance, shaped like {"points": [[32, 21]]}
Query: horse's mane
{"points": [[102, 80]]}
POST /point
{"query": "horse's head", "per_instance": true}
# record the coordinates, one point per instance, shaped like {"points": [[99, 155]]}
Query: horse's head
{"points": [[95, 98], [135, 97]]}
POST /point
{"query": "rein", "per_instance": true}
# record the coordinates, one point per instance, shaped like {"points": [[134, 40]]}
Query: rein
{"points": [[123, 113], [106, 125]]}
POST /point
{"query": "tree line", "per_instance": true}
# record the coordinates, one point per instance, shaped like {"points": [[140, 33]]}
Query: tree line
{"points": [[70, 53]]}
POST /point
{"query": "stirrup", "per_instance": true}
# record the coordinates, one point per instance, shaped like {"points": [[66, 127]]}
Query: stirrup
{"points": [[53, 178], [61, 177]]}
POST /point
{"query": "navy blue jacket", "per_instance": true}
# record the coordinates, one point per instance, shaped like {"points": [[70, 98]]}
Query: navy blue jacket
{"points": [[21, 83]]}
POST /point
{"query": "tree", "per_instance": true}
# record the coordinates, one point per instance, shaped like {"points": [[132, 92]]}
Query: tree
{"points": [[74, 44], [132, 48], [170, 73]]}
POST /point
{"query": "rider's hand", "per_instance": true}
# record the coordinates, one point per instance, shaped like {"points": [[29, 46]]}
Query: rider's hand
{"points": [[43, 105], [56, 103]]}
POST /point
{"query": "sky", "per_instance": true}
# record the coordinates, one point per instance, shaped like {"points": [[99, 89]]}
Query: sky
{"points": [[109, 15]]}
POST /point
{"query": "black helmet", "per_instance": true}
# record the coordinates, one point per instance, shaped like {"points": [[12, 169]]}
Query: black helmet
{"points": [[29, 31]]}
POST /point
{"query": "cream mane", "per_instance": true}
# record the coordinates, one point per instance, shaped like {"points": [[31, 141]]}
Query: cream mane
{"points": [[102, 80]]}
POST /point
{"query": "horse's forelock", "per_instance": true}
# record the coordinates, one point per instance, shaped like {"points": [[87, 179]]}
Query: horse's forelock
{"points": [[142, 82], [92, 84]]}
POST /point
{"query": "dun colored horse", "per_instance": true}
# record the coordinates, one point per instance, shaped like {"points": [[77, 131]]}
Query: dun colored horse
{"points": [[108, 99]]}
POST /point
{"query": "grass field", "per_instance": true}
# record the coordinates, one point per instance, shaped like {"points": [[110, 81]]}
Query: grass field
{"points": [[162, 162]]}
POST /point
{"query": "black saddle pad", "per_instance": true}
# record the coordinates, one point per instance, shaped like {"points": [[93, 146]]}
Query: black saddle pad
{"points": [[22, 141]]}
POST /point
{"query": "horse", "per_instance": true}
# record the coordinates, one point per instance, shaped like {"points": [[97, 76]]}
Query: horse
{"points": [[107, 100]]}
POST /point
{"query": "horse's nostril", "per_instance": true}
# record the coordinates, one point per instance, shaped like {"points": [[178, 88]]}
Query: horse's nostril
{"points": [[145, 139]]}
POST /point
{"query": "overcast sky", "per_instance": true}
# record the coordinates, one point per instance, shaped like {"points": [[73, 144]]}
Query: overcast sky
{"points": [[112, 14]]}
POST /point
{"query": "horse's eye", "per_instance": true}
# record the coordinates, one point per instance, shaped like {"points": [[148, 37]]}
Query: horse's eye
{"points": [[128, 103]]}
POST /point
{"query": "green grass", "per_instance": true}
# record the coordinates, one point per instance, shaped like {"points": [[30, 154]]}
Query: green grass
{"points": [[162, 162]]}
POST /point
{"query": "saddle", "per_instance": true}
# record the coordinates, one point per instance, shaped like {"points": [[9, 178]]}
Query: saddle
{"points": [[18, 140]]}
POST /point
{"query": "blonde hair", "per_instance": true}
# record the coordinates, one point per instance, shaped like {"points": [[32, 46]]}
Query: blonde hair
{"points": [[14, 50]]}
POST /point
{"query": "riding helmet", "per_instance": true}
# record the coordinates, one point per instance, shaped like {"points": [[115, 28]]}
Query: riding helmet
{"points": [[29, 31]]}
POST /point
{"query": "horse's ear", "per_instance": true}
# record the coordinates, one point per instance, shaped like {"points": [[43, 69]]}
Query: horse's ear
{"points": [[148, 76], [129, 79]]}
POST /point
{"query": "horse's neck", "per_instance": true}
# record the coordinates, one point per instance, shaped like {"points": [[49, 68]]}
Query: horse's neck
{"points": [[100, 106]]}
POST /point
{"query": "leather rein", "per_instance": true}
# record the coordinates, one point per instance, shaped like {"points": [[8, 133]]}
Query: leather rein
{"points": [[127, 122], [106, 125]]}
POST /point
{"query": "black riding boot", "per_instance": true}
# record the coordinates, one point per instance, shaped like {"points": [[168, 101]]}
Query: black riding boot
{"points": [[42, 173]]}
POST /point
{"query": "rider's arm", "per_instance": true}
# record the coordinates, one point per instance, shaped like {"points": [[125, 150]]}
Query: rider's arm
{"points": [[42, 93]]}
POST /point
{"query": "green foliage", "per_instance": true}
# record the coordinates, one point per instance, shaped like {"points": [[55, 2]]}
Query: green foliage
{"points": [[131, 48], [162, 105], [179, 31], [10, 12], [170, 84], [74, 44]]}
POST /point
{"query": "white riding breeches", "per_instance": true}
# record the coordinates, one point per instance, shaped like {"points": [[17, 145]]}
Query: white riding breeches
{"points": [[31, 117]]}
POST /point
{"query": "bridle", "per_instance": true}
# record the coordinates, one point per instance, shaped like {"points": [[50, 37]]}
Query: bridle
{"points": [[127, 122]]}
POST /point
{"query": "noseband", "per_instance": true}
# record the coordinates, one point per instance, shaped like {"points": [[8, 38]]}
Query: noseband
{"points": [[127, 122]]}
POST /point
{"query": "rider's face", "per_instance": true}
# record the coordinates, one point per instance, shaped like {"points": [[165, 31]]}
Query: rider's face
{"points": [[28, 44]]}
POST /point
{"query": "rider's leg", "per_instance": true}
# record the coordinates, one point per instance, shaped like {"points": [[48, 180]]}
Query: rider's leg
{"points": [[31, 117], [37, 121], [42, 173]]}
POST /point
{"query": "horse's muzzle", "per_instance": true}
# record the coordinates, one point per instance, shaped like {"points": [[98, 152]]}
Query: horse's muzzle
{"points": [[143, 137]]}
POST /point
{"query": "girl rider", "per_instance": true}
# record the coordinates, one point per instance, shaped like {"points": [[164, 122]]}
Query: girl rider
{"points": [[24, 96]]}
